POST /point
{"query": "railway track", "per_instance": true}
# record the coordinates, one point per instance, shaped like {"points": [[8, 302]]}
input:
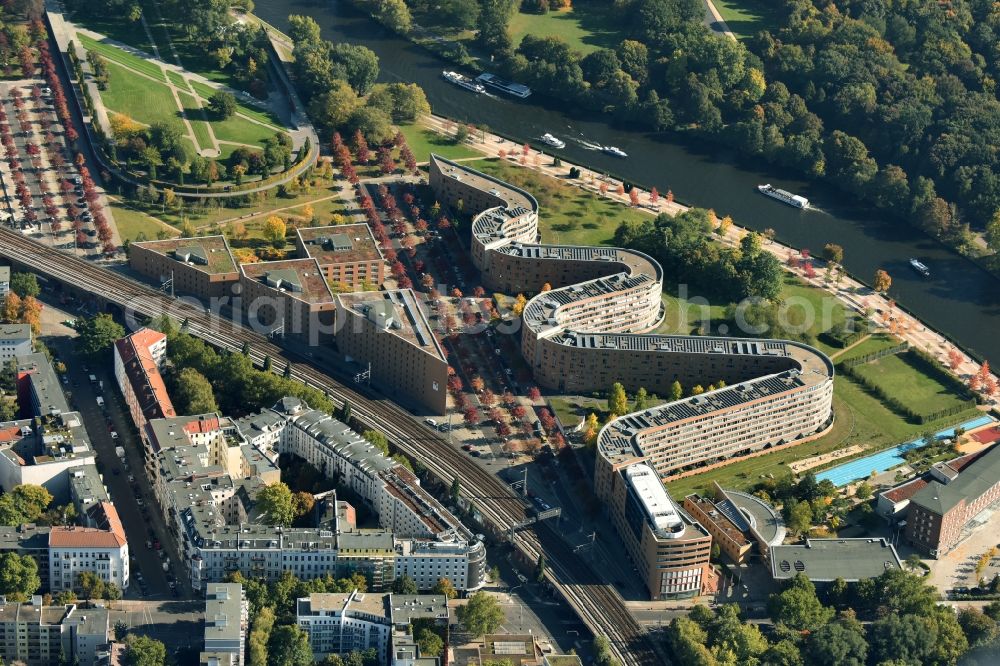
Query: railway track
{"points": [[599, 605]]}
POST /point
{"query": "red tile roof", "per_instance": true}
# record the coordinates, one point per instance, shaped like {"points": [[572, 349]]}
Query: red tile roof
{"points": [[905, 491], [201, 425], [143, 375], [87, 537]]}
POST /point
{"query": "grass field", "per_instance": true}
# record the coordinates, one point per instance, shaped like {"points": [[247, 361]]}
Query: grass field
{"points": [[748, 17], [423, 142], [205, 92], [140, 99], [118, 30], [177, 79], [241, 130], [898, 377], [567, 213], [131, 223], [874, 343], [687, 314], [586, 27], [116, 55], [194, 115]]}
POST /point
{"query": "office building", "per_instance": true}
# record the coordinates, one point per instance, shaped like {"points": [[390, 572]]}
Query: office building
{"points": [[743, 525], [290, 296], [348, 254], [825, 560], [669, 549], [202, 267]]}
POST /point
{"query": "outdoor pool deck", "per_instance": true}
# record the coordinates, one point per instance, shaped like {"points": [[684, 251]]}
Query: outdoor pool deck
{"points": [[882, 461]]}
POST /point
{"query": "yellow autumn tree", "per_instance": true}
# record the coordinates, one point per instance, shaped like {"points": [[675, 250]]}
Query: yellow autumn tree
{"points": [[308, 213], [590, 429], [123, 127], [245, 255], [519, 304], [274, 229], [546, 287], [725, 225]]}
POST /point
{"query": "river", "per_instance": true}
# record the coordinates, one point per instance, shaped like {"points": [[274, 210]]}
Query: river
{"points": [[959, 299]]}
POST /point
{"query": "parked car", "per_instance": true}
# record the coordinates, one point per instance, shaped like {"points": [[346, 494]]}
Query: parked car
{"points": [[431, 422]]}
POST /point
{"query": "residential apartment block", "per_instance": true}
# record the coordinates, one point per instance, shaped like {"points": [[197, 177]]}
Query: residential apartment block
{"points": [[15, 340], [203, 267], [102, 551], [226, 622], [291, 295], [138, 360], [592, 328], [355, 621], [208, 473], [38, 635], [4, 281]]}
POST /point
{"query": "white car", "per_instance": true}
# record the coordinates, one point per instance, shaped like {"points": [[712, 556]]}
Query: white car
{"points": [[114, 434], [431, 422]]}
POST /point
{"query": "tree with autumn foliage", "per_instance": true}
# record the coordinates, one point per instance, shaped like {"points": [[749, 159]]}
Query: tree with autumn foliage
{"points": [[882, 281], [955, 359]]}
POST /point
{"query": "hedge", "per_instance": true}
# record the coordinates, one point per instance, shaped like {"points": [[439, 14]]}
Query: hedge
{"points": [[873, 356]]}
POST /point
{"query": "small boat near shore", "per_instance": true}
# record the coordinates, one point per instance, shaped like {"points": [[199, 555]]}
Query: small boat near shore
{"points": [[614, 151], [463, 81], [550, 140], [920, 267], [783, 196], [509, 87]]}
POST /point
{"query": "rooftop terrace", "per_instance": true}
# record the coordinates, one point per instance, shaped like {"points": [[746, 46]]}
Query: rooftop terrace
{"points": [[209, 254], [346, 243], [299, 278]]}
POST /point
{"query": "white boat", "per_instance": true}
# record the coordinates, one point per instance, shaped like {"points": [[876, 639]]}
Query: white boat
{"points": [[463, 82], [550, 140], [783, 196], [920, 267], [509, 87], [614, 151]]}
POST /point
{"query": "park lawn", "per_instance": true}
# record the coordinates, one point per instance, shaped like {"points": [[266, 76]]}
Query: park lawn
{"points": [[872, 344], [131, 223], [423, 142], [227, 149], [206, 91], [140, 99], [240, 130], [117, 55], [684, 317], [567, 214], [587, 27], [748, 17], [899, 378], [816, 309], [177, 79], [116, 29], [195, 115], [859, 419]]}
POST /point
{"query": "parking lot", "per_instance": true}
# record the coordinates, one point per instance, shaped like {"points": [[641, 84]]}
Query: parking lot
{"points": [[46, 192]]}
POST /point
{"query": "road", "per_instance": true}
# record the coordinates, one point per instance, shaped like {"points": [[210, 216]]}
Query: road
{"points": [[141, 524]]}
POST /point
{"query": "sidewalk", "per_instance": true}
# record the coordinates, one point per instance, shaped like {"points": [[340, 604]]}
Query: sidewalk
{"points": [[857, 297]]}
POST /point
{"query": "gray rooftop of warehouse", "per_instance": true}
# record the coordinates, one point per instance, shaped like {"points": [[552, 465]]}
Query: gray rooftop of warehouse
{"points": [[824, 560], [974, 480]]}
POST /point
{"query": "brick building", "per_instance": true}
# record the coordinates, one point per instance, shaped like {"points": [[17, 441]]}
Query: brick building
{"points": [[348, 254]]}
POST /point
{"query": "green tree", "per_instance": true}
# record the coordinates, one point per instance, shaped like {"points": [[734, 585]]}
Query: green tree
{"points": [[25, 284], [29, 501], [333, 107], [481, 615], [833, 253], [289, 646], [303, 30], [276, 504], [378, 440], [617, 400], [120, 630], [91, 586], [676, 391], [144, 651], [18, 576], [900, 592], [782, 653], [798, 607], [456, 489], [800, 517], [394, 14], [979, 628], [405, 585], [259, 636], [356, 64], [193, 393], [430, 643], [97, 334], [222, 104], [641, 399], [993, 233], [840, 643], [374, 123], [864, 491], [540, 568]]}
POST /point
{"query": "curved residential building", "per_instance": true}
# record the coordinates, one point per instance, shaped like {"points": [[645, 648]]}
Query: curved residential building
{"points": [[592, 330]]}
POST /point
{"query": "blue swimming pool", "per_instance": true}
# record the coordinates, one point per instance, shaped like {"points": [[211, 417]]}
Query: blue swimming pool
{"points": [[884, 460]]}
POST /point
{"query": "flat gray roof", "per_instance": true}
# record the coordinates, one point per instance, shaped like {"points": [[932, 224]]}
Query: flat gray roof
{"points": [[973, 481], [825, 560]]}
